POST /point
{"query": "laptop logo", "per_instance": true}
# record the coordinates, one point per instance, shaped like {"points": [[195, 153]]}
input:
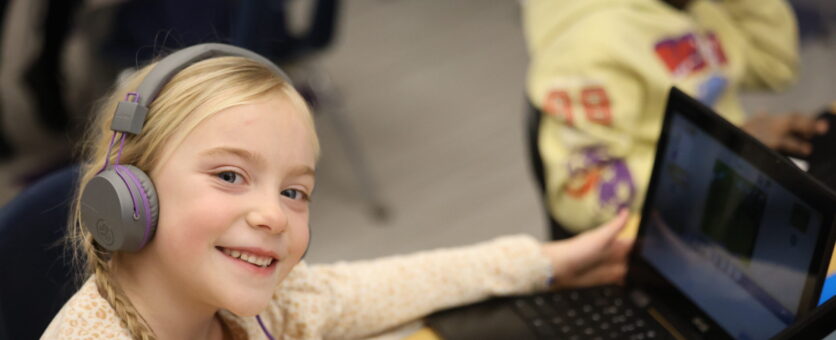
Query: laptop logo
{"points": [[700, 324]]}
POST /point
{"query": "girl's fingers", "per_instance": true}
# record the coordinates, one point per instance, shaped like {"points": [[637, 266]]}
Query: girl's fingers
{"points": [[599, 275], [610, 230]]}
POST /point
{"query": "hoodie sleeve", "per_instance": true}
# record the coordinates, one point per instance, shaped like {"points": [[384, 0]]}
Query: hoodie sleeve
{"points": [[598, 124], [764, 30], [359, 299]]}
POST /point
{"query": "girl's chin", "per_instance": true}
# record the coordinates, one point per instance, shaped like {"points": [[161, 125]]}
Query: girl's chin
{"points": [[249, 297], [249, 303], [248, 309]]}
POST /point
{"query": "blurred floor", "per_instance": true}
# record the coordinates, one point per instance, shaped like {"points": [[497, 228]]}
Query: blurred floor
{"points": [[434, 90]]}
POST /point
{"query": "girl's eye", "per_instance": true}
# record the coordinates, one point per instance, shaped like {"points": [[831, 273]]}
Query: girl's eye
{"points": [[294, 194], [229, 176]]}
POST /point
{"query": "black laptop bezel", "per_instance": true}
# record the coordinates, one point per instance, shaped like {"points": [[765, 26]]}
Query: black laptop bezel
{"points": [[642, 274], [820, 323]]}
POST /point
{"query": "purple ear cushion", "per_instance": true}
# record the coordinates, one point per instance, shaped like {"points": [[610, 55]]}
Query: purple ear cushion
{"points": [[150, 204]]}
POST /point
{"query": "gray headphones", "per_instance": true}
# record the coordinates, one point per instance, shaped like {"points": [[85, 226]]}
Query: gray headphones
{"points": [[119, 206]]}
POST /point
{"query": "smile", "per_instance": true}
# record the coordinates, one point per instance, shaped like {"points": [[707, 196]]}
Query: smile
{"points": [[251, 258]]}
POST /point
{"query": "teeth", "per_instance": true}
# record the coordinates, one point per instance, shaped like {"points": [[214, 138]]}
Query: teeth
{"points": [[251, 258]]}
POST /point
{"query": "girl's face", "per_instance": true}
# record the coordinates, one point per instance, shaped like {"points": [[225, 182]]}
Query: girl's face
{"points": [[234, 205]]}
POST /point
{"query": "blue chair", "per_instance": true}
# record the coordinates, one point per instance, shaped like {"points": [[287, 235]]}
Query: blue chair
{"points": [[37, 271]]}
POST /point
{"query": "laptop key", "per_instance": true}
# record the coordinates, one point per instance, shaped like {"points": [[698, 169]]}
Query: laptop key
{"points": [[525, 309], [574, 296], [572, 313], [611, 291], [543, 328], [640, 323], [544, 307], [587, 309], [557, 321], [628, 312]]}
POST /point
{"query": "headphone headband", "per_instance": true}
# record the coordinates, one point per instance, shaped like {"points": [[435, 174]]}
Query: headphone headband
{"points": [[130, 115]]}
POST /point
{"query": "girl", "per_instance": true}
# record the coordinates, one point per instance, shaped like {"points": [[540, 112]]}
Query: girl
{"points": [[231, 150]]}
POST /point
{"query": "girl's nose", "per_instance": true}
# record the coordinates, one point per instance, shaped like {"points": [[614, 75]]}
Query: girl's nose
{"points": [[268, 215]]}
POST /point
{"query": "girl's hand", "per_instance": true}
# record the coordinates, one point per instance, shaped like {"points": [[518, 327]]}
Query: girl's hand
{"points": [[591, 258]]}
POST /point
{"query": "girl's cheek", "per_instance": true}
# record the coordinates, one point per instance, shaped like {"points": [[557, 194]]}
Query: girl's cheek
{"points": [[300, 242], [196, 221]]}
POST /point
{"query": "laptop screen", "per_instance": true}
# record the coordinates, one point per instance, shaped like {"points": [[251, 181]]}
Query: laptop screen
{"points": [[734, 240]]}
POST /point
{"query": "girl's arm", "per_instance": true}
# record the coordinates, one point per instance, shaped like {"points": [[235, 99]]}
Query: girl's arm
{"points": [[357, 299]]}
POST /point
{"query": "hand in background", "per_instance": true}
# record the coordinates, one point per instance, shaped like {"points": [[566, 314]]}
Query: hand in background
{"points": [[591, 258], [788, 133]]}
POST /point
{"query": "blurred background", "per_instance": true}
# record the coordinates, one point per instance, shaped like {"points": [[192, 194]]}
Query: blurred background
{"points": [[420, 106]]}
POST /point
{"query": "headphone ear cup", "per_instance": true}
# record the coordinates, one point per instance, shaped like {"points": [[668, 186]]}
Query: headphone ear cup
{"points": [[119, 207]]}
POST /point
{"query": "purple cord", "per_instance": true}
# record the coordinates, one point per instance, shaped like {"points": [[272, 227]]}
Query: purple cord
{"points": [[107, 156], [119, 169], [134, 94], [121, 145], [144, 196], [260, 323], [132, 97]]}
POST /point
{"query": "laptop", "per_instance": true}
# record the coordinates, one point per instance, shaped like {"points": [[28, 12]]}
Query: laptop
{"points": [[733, 243]]}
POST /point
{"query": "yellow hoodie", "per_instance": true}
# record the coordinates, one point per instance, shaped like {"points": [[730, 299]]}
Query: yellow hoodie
{"points": [[601, 69]]}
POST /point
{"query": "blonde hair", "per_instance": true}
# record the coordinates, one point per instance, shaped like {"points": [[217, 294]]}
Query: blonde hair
{"points": [[216, 83]]}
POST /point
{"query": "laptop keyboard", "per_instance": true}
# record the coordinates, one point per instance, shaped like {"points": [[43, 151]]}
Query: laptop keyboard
{"points": [[595, 313]]}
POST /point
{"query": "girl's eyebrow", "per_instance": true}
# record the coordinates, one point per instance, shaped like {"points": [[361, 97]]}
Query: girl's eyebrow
{"points": [[303, 170], [246, 155], [255, 158]]}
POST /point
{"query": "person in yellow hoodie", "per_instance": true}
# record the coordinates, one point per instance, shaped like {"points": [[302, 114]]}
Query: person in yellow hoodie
{"points": [[600, 72]]}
